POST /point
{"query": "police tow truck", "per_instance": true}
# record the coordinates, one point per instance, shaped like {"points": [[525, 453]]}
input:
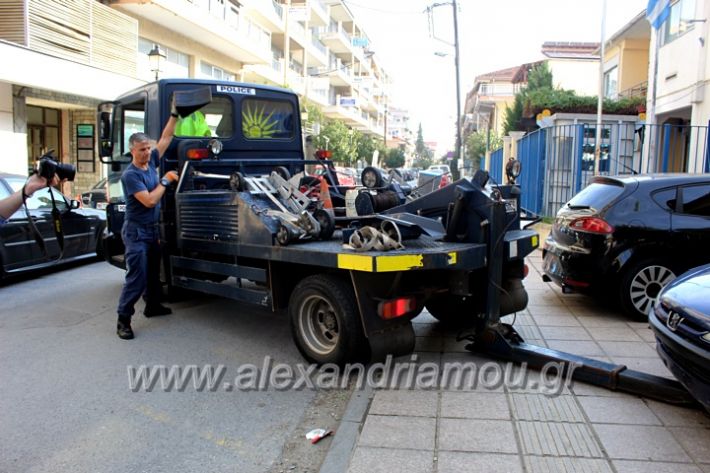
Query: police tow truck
{"points": [[242, 224]]}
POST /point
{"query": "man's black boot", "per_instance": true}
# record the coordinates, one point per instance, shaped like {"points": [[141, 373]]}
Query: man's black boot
{"points": [[155, 310], [123, 329]]}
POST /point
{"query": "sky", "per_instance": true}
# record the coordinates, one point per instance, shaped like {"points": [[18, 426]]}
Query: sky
{"points": [[493, 35]]}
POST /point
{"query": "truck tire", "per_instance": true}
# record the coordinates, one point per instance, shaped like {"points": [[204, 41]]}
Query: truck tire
{"points": [[452, 311], [325, 321], [640, 284]]}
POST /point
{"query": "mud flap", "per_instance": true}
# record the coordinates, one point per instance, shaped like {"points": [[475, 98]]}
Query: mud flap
{"points": [[386, 337]]}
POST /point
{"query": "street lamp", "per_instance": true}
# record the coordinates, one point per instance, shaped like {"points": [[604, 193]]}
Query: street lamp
{"points": [[155, 56]]}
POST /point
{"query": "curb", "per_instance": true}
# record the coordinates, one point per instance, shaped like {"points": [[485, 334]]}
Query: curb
{"points": [[341, 448]]}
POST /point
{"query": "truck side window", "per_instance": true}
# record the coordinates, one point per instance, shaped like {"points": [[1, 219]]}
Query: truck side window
{"points": [[267, 119], [214, 119]]}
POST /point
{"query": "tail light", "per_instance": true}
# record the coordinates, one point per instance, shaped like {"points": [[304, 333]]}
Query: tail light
{"points": [[396, 307], [444, 181], [591, 225], [197, 153], [323, 154]]}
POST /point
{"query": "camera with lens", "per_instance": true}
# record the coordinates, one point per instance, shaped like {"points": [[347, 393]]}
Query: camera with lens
{"points": [[47, 167]]}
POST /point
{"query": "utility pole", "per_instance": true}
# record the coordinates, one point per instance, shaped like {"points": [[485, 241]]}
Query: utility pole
{"points": [[287, 43], [458, 158], [600, 101]]}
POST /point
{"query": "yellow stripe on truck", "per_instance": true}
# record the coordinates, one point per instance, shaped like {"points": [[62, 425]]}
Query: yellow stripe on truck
{"points": [[356, 262], [534, 241], [380, 264], [399, 263]]}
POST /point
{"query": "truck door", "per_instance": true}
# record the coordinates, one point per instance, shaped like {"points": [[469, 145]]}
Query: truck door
{"points": [[129, 116]]}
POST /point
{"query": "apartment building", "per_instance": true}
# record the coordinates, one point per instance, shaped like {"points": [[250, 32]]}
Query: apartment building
{"points": [[679, 103], [69, 56], [626, 60]]}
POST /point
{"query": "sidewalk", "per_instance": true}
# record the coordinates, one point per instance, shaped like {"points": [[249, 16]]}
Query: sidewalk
{"points": [[585, 429]]}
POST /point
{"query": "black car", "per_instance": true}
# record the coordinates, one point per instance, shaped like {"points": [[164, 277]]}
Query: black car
{"points": [[681, 322], [19, 251], [95, 198], [627, 237]]}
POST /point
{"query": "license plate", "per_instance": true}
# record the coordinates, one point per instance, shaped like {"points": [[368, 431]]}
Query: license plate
{"points": [[101, 205], [121, 208]]}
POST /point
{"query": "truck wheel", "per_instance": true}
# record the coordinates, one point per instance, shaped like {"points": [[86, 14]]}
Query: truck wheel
{"points": [[641, 283], [452, 311], [325, 322]]}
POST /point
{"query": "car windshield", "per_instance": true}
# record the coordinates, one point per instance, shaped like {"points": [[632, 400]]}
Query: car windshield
{"points": [[15, 183], [596, 196]]}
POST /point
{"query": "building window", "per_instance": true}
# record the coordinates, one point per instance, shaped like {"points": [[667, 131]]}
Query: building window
{"points": [[611, 83], [43, 132], [213, 72], [176, 63], [678, 22]]}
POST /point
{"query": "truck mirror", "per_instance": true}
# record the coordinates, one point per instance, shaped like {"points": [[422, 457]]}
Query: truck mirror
{"points": [[104, 118]]}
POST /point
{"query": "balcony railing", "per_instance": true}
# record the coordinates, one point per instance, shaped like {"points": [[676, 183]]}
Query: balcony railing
{"points": [[318, 45], [639, 90], [278, 9]]}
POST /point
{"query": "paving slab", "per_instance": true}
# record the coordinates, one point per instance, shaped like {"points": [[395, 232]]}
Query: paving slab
{"points": [[627, 466], [475, 405], [387, 460], [566, 465], [621, 410], [399, 402], [457, 462], [640, 442], [558, 439], [398, 432], [475, 435]]}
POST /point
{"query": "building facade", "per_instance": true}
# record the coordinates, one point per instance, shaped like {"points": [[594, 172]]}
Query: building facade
{"points": [[70, 56]]}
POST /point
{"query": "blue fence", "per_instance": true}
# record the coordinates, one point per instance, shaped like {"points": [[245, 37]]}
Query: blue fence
{"points": [[496, 165], [557, 162]]}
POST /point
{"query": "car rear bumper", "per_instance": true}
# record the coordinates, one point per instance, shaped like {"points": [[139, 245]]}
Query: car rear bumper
{"points": [[687, 362], [574, 272]]}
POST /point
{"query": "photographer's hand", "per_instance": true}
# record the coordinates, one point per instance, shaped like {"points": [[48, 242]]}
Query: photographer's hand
{"points": [[37, 182]]}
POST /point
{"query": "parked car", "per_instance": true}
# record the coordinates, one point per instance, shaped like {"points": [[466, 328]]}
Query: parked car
{"points": [[95, 198], [439, 168], [681, 323], [627, 237], [18, 249]]}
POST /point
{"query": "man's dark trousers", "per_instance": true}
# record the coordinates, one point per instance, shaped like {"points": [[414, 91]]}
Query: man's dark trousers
{"points": [[143, 265]]}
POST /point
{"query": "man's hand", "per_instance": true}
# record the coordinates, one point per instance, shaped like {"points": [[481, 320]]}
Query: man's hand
{"points": [[37, 182], [171, 176], [173, 107]]}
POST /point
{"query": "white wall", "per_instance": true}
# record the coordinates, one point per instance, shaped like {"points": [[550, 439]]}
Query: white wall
{"points": [[580, 76], [14, 145]]}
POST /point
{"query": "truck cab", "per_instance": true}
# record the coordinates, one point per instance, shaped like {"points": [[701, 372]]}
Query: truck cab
{"points": [[253, 123]]}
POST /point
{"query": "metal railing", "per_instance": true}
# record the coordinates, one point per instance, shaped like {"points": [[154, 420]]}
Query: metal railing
{"points": [[558, 162]]}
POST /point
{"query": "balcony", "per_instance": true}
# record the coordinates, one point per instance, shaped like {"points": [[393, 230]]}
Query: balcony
{"points": [[83, 31], [317, 52], [337, 39], [206, 22], [319, 13], [267, 12]]}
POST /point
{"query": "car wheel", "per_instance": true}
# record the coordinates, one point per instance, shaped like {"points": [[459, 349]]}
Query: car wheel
{"points": [[325, 321], [641, 283]]}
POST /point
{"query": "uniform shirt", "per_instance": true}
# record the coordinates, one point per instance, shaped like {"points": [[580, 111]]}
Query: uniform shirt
{"points": [[137, 180]]}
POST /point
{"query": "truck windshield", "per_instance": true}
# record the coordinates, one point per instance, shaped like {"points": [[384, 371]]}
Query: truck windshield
{"points": [[267, 119], [214, 119]]}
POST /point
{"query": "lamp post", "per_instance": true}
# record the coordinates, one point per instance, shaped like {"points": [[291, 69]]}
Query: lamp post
{"points": [[458, 157], [155, 56]]}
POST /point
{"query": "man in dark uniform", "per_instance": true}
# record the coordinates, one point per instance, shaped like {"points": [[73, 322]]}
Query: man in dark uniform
{"points": [[143, 191]]}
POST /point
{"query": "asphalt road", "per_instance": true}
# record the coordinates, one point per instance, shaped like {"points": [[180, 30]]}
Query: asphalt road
{"points": [[65, 402]]}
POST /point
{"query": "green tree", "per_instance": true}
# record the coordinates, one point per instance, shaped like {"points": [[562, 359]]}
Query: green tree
{"points": [[340, 140], [476, 146], [539, 79], [394, 158]]}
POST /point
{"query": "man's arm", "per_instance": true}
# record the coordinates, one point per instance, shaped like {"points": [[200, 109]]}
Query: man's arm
{"points": [[9, 205], [152, 198], [167, 136]]}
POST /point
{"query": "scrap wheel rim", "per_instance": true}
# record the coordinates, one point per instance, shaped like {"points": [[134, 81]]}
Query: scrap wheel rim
{"points": [[646, 285], [319, 325]]}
